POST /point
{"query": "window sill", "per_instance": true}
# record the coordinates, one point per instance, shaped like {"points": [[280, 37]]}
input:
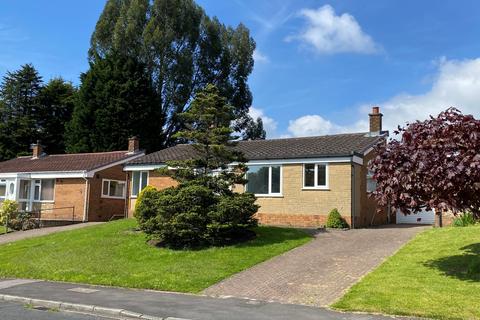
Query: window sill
{"points": [[108, 197], [269, 195], [316, 188], [43, 201]]}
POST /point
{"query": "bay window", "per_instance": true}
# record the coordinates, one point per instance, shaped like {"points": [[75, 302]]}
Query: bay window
{"points": [[264, 180], [315, 176], [113, 189], [139, 181]]}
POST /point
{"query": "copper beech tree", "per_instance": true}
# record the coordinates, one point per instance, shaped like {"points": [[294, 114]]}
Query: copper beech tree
{"points": [[435, 165]]}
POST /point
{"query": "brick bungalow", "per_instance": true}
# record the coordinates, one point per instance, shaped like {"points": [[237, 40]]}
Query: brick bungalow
{"points": [[297, 181], [76, 187]]}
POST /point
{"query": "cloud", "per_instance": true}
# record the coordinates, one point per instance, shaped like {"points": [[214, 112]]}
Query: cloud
{"points": [[456, 83], [259, 57], [269, 124], [328, 33]]}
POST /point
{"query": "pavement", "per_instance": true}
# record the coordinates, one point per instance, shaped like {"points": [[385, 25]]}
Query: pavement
{"points": [[19, 235], [16, 311], [320, 272], [164, 305]]}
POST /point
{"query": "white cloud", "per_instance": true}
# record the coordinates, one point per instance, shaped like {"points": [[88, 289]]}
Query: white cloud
{"points": [[457, 84], [269, 124], [259, 57], [329, 33]]}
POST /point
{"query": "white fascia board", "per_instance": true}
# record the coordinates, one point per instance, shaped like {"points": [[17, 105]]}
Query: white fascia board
{"points": [[44, 175], [91, 173], [301, 161], [357, 160], [142, 167]]}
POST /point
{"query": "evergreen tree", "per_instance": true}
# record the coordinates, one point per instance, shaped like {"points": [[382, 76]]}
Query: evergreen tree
{"points": [[56, 101], [115, 101], [19, 105], [184, 50], [254, 130]]}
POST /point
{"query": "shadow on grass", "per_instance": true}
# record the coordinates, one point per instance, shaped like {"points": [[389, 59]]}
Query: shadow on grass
{"points": [[464, 267]]}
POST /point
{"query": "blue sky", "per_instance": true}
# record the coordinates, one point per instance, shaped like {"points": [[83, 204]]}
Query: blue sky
{"points": [[320, 65]]}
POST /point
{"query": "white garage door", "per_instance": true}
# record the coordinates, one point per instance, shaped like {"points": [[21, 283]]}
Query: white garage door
{"points": [[423, 217]]}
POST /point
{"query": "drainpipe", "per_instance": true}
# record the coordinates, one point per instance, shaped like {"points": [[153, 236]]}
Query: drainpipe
{"points": [[352, 210], [85, 203]]}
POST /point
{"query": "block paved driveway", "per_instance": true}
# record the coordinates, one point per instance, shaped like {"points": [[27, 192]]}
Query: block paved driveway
{"points": [[319, 272]]}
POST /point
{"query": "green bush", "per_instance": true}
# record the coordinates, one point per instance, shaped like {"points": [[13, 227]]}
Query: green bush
{"points": [[192, 215], [464, 219], [15, 219], [335, 220]]}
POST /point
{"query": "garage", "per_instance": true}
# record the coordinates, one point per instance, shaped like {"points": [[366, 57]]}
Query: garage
{"points": [[422, 217]]}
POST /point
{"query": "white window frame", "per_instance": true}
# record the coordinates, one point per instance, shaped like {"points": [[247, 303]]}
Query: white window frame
{"points": [[370, 177], [117, 181], [316, 186], [4, 183], [134, 196], [34, 183], [269, 194]]}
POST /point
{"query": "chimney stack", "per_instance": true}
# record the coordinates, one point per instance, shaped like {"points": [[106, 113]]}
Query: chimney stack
{"points": [[375, 121], [133, 145], [37, 150]]}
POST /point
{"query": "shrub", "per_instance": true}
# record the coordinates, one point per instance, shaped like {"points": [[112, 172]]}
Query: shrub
{"points": [[335, 220], [14, 219], [464, 219], [193, 215]]}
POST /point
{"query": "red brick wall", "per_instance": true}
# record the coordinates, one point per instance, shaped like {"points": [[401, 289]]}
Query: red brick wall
{"points": [[68, 193], [294, 220]]}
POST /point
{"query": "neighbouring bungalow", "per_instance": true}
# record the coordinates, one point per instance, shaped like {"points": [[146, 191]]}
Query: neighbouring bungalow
{"points": [[297, 181], [75, 187]]}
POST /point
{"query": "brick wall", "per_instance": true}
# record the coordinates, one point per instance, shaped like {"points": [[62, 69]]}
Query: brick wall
{"points": [[68, 193], [155, 180], [100, 208]]}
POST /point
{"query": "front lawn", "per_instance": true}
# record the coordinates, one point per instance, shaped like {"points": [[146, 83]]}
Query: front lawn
{"points": [[436, 275], [114, 254]]}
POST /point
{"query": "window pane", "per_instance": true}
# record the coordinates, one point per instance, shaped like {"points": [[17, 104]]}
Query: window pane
{"points": [[144, 179], [322, 175], [36, 194], [309, 175], [135, 183], [3, 190], [257, 177], [48, 188], [24, 189], [105, 188], [275, 179], [116, 189], [120, 190]]}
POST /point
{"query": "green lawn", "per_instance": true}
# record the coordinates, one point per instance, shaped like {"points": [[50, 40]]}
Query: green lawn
{"points": [[113, 254], [436, 275]]}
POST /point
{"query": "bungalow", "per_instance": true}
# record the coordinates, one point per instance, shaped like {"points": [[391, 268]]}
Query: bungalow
{"points": [[297, 181], [75, 187]]}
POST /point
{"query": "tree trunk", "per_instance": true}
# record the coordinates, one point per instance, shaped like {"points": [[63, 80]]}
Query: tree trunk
{"points": [[440, 219]]}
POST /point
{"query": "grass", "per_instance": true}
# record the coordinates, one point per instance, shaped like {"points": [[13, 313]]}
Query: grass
{"points": [[436, 275], [113, 254]]}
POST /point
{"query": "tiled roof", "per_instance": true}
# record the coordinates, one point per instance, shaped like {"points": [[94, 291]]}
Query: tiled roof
{"points": [[63, 162], [337, 145]]}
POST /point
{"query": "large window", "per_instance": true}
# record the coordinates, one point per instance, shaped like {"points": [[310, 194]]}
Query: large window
{"points": [[24, 190], [315, 176], [139, 181], [371, 183], [43, 190], [264, 180], [113, 189]]}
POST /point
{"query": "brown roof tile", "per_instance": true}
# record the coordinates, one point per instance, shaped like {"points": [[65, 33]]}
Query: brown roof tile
{"points": [[63, 162], [337, 145]]}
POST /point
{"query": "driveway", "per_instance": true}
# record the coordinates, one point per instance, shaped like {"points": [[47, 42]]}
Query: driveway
{"points": [[19, 235], [319, 272]]}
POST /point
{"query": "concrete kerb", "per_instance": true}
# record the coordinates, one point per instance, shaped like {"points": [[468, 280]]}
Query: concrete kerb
{"points": [[75, 307]]}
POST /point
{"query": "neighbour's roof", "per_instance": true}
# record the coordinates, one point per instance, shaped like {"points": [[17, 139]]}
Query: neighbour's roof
{"points": [[63, 162], [338, 145]]}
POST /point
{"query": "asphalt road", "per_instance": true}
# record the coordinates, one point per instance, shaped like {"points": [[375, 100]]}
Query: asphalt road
{"points": [[16, 311]]}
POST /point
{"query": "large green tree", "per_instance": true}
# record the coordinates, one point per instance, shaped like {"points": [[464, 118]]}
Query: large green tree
{"points": [[183, 49], [116, 100], [56, 102], [19, 105]]}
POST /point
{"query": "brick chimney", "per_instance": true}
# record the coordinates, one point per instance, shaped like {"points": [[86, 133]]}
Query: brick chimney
{"points": [[133, 145], [375, 121], [36, 150]]}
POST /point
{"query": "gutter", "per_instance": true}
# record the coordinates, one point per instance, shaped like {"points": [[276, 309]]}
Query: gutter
{"points": [[352, 204]]}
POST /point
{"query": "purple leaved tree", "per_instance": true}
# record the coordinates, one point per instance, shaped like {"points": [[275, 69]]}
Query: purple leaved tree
{"points": [[435, 165]]}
